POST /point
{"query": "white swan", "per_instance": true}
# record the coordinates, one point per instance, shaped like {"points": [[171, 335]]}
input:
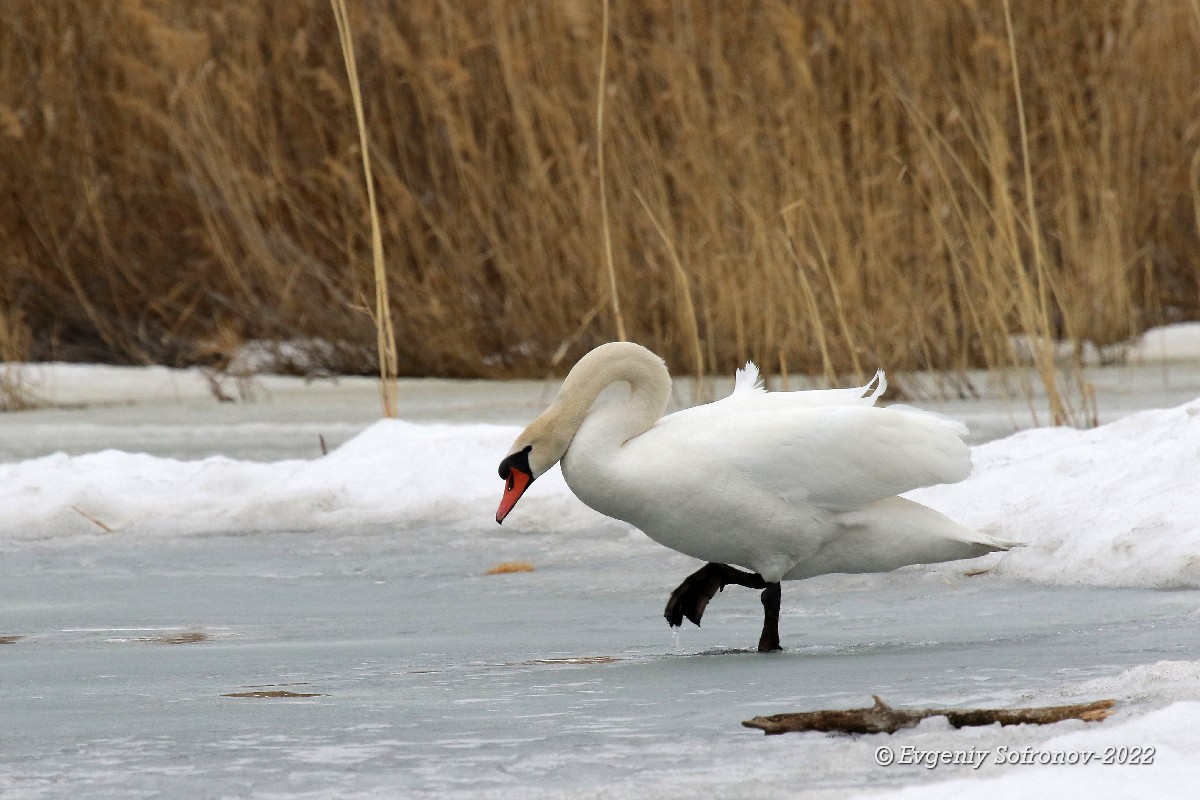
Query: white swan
{"points": [[786, 484]]}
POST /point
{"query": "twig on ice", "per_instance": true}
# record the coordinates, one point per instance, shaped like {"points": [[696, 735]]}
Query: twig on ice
{"points": [[91, 519], [882, 718]]}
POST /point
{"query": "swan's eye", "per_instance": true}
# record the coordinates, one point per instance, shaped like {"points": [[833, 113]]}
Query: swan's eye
{"points": [[518, 461]]}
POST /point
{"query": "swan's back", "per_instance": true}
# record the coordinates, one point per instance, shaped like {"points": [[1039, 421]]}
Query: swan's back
{"points": [[831, 449], [749, 395]]}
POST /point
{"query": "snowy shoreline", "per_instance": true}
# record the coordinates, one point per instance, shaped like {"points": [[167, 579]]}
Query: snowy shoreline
{"points": [[1109, 506]]}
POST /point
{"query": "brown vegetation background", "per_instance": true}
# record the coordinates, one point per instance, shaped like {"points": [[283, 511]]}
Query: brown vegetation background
{"points": [[826, 187]]}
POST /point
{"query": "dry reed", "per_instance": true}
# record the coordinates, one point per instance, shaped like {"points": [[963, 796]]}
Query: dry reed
{"points": [[385, 333], [824, 186]]}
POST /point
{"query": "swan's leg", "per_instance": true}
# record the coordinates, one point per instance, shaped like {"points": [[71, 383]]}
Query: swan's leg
{"points": [[769, 641], [692, 596]]}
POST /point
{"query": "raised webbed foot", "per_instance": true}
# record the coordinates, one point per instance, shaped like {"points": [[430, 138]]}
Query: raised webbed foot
{"points": [[692, 596]]}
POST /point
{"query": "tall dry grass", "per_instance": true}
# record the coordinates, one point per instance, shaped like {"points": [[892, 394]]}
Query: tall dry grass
{"points": [[385, 332], [826, 187]]}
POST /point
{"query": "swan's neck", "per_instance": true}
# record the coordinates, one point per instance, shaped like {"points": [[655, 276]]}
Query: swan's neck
{"points": [[649, 392], [573, 422]]}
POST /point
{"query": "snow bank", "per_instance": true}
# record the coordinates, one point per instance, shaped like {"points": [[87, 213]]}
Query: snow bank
{"points": [[1113, 506], [1179, 342], [394, 473], [1157, 683], [86, 384]]}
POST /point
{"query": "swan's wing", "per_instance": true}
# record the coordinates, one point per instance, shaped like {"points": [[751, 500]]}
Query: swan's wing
{"points": [[748, 388], [750, 396], [837, 458]]}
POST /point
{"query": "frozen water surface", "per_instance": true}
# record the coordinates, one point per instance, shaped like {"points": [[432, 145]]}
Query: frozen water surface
{"points": [[429, 678], [434, 679]]}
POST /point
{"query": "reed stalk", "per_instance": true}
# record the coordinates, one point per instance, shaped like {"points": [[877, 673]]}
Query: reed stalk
{"points": [[601, 91], [385, 333]]}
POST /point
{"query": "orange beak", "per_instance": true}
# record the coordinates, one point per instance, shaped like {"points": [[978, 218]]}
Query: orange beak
{"points": [[514, 487]]}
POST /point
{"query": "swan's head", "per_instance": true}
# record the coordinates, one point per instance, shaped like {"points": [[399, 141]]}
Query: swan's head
{"points": [[536, 450], [544, 443]]}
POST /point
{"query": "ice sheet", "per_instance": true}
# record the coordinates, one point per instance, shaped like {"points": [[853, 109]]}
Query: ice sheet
{"points": [[433, 679]]}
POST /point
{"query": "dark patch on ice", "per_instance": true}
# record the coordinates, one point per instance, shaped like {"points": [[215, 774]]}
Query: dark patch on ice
{"points": [[566, 661], [10, 639], [273, 693], [273, 685], [188, 637], [539, 662], [717, 651]]}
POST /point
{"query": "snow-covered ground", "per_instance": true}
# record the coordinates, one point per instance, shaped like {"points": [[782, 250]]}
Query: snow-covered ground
{"points": [[163, 550]]}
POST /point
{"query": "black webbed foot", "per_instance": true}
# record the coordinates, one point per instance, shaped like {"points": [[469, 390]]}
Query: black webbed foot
{"points": [[692, 596]]}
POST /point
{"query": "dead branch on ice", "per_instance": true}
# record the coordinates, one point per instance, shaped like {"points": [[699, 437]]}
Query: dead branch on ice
{"points": [[882, 718]]}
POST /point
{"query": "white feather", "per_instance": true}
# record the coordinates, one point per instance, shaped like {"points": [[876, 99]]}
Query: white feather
{"points": [[747, 380]]}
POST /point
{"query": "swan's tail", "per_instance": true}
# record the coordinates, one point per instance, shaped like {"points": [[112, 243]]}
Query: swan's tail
{"points": [[993, 543], [997, 544], [892, 533]]}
